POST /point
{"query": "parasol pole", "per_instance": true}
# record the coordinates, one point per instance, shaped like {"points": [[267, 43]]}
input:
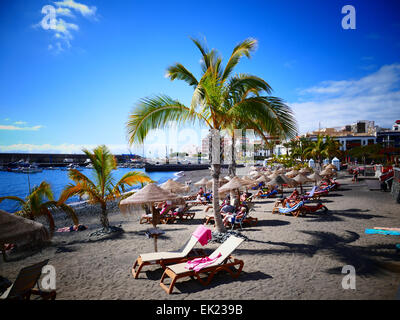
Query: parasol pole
{"points": [[154, 222]]}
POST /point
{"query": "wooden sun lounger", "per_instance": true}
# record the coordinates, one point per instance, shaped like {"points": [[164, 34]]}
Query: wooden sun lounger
{"points": [[164, 218], [295, 212], [224, 263], [169, 257], [23, 286]]}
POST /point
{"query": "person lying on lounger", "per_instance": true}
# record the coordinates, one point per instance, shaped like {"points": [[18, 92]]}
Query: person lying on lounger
{"points": [[267, 193], [237, 215]]}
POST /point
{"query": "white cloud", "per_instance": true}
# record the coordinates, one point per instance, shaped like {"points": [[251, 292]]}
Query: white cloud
{"points": [[61, 148], [337, 103], [14, 128], [19, 122], [61, 29], [80, 7], [64, 12]]}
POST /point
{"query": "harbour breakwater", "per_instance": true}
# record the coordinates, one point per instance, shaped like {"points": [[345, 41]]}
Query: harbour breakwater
{"points": [[180, 167]]}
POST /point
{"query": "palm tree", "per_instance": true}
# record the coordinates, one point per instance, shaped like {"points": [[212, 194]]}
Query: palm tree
{"points": [[39, 202], [102, 189], [332, 146], [218, 100]]}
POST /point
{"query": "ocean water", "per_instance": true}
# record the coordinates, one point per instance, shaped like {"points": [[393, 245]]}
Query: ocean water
{"points": [[17, 184]]}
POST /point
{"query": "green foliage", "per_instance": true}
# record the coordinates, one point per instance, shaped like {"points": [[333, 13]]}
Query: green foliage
{"points": [[103, 188], [285, 160], [372, 151], [220, 101], [39, 203], [323, 147]]}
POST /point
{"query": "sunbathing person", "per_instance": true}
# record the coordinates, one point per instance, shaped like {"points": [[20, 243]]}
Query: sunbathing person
{"points": [[267, 193], [237, 215]]}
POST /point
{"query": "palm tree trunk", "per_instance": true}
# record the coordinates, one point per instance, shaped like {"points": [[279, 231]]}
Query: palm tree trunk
{"points": [[232, 164], [104, 217], [215, 158], [216, 169]]}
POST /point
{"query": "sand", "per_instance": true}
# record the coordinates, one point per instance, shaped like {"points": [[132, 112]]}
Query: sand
{"points": [[284, 258]]}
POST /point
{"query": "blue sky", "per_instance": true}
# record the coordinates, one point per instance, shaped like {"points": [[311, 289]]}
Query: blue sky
{"points": [[75, 86]]}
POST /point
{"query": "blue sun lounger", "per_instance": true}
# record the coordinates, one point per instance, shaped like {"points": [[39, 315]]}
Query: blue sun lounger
{"points": [[295, 210], [269, 194], [384, 232]]}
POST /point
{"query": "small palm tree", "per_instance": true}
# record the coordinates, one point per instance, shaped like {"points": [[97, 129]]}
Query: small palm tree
{"points": [[39, 203], [103, 188]]}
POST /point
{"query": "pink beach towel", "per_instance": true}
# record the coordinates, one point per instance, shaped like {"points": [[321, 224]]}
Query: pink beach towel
{"points": [[202, 234], [200, 263]]}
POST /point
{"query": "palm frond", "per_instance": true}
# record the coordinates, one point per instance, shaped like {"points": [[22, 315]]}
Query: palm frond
{"points": [[131, 178], [178, 71], [156, 113], [21, 201], [244, 48]]}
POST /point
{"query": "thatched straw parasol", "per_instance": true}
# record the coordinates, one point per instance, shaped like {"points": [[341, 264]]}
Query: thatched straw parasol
{"points": [[273, 176], [289, 181], [315, 177], [301, 179], [148, 195], [234, 184], [249, 181], [292, 173], [262, 178], [221, 181], [174, 186], [326, 172], [304, 170], [277, 181], [330, 166], [18, 230], [254, 173], [202, 183]]}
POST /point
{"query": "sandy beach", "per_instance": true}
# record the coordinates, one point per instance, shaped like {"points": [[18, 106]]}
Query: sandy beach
{"points": [[284, 257]]}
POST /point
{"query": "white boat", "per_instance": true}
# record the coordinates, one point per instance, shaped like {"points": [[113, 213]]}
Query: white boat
{"points": [[73, 166], [32, 169]]}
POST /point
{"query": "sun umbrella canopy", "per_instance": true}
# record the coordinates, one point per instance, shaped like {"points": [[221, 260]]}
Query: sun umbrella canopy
{"points": [[277, 181], [201, 182], [248, 181], [304, 171], [149, 194], [234, 184], [174, 186], [326, 172], [289, 181], [301, 179], [281, 170], [314, 177], [273, 176], [221, 182], [16, 229], [330, 166], [262, 178], [292, 173]]}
